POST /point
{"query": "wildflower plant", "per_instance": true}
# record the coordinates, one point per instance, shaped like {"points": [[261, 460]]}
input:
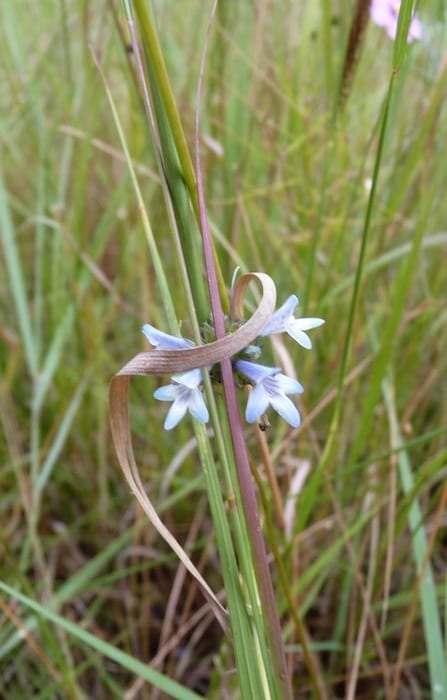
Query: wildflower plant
{"points": [[225, 353], [270, 386], [385, 13], [191, 365], [223, 350]]}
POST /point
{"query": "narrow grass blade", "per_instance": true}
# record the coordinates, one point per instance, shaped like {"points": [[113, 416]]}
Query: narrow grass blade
{"points": [[61, 434], [124, 660], [437, 661], [17, 279]]}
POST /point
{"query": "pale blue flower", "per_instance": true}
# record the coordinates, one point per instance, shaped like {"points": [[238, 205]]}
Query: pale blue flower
{"points": [[164, 341], [284, 320], [270, 388], [385, 13], [186, 395]]}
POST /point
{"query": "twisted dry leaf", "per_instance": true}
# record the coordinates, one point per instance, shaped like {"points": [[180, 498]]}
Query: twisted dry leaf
{"points": [[175, 361], [171, 362]]}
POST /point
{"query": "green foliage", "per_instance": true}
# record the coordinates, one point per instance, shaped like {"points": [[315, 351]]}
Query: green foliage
{"points": [[342, 204]]}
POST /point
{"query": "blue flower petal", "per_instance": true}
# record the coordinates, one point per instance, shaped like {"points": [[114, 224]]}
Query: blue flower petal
{"points": [[288, 385], [186, 395], [254, 372], [175, 414], [275, 324], [257, 403], [284, 320], [164, 341], [190, 379], [165, 393], [286, 409], [295, 327], [197, 407], [300, 337]]}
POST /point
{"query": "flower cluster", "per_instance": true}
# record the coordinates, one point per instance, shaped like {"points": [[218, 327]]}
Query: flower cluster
{"points": [[270, 386], [385, 13]]}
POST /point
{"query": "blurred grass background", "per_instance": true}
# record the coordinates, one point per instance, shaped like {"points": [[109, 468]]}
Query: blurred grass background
{"points": [[287, 186]]}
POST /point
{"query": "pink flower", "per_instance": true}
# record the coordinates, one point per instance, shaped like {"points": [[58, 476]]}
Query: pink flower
{"points": [[385, 13]]}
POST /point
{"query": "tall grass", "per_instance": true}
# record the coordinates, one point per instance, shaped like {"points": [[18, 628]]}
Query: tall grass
{"points": [[341, 203]]}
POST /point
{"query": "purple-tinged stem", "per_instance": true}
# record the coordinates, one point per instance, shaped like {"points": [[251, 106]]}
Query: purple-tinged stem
{"points": [[246, 484]]}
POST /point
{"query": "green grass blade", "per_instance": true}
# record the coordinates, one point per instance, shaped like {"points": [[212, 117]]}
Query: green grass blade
{"points": [[437, 659], [61, 434], [110, 652], [17, 280]]}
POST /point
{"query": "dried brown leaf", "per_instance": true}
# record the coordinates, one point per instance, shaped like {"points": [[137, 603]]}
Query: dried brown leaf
{"points": [[171, 362]]}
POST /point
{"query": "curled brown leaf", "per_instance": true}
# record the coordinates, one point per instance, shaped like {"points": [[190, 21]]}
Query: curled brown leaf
{"points": [[171, 362]]}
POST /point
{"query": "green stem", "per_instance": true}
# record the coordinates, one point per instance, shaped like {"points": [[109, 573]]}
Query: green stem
{"points": [[156, 60], [172, 153]]}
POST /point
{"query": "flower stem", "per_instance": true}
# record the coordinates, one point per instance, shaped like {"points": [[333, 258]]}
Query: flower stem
{"points": [[246, 484]]}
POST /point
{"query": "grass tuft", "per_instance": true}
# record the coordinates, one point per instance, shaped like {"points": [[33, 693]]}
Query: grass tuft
{"points": [[344, 207]]}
